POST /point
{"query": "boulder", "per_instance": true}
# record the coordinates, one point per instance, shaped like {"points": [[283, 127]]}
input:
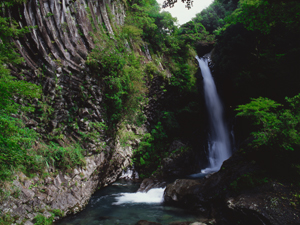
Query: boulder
{"points": [[238, 194], [149, 183], [145, 222]]}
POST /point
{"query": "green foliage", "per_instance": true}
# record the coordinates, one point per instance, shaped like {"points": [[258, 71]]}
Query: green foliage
{"points": [[278, 128], [183, 78], [257, 49], [6, 220], [247, 181], [150, 151], [212, 18], [42, 220], [194, 32], [97, 128], [133, 33], [57, 156], [265, 15], [123, 76], [15, 138], [58, 212], [151, 70]]}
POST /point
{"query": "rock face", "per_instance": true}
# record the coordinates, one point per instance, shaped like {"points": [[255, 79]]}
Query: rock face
{"points": [[239, 193], [68, 192], [55, 53]]}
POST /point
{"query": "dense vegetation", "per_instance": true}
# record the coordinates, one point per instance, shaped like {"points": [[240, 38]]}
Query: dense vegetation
{"points": [[127, 79], [255, 59], [15, 139]]}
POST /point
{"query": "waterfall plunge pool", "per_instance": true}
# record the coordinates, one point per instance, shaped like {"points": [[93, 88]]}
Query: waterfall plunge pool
{"points": [[119, 203]]}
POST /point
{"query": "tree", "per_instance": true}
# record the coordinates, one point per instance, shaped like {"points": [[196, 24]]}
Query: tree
{"points": [[170, 3]]}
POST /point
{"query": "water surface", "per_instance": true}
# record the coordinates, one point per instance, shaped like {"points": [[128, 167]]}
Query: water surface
{"points": [[120, 204]]}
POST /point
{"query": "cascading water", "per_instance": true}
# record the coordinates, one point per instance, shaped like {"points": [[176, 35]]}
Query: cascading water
{"points": [[120, 203], [219, 143]]}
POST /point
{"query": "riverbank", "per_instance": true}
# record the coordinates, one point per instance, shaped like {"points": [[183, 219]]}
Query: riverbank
{"points": [[242, 192]]}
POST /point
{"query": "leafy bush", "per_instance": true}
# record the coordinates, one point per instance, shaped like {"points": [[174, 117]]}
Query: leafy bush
{"points": [[278, 128], [277, 136], [150, 151]]}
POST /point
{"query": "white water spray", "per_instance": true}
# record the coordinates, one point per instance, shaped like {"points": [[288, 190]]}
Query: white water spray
{"points": [[219, 143], [154, 195]]}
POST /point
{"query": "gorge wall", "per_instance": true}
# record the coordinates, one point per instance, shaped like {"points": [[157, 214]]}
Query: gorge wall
{"points": [[55, 54]]}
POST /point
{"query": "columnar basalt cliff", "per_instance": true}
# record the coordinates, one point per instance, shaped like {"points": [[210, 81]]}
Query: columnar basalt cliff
{"points": [[55, 54]]}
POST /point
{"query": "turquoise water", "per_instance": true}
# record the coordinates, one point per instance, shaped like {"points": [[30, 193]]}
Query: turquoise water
{"points": [[120, 204]]}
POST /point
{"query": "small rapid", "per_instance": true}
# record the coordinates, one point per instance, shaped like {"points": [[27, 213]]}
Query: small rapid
{"points": [[155, 195], [120, 203]]}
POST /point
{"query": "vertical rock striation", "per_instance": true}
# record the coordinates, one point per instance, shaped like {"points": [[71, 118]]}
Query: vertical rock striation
{"points": [[55, 53]]}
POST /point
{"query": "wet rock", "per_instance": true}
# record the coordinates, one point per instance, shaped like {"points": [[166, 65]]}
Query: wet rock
{"points": [[198, 223], [149, 183], [182, 192], [145, 222], [180, 223], [231, 198]]}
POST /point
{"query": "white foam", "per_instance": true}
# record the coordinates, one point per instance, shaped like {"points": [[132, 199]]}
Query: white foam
{"points": [[129, 174], [154, 195]]}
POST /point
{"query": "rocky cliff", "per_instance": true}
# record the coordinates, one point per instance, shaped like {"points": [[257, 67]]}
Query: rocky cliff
{"points": [[55, 54]]}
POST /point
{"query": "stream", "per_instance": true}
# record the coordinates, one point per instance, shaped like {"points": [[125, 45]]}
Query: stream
{"points": [[119, 203]]}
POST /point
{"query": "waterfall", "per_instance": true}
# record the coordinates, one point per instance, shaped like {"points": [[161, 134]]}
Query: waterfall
{"points": [[218, 143]]}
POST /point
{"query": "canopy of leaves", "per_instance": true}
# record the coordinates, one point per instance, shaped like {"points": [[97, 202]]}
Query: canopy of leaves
{"points": [[256, 53], [213, 16]]}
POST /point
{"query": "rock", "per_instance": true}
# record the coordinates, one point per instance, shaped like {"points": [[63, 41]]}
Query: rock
{"points": [[149, 183], [28, 193], [47, 214], [20, 220], [59, 70], [180, 223], [231, 198], [182, 192], [145, 222], [27, 183]]}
